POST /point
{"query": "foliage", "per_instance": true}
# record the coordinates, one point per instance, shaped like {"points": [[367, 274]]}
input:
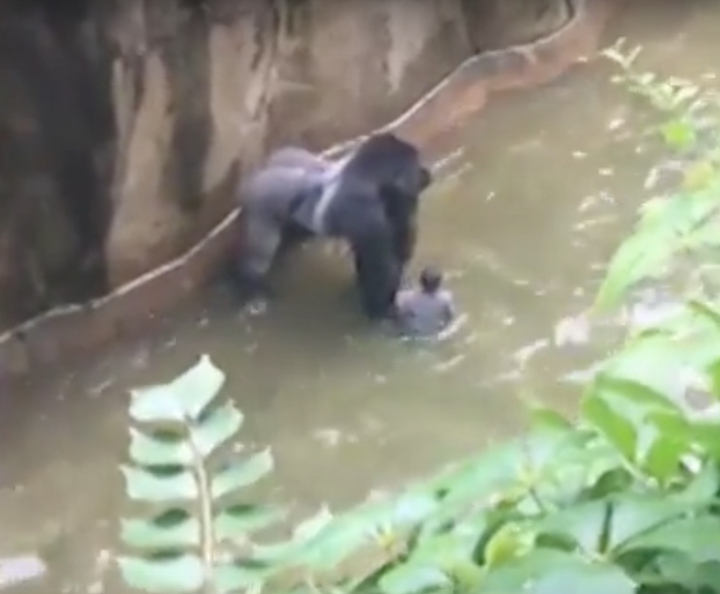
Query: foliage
{"points": [[623, 499], [626, 497], [676, 236], [191, 529]]}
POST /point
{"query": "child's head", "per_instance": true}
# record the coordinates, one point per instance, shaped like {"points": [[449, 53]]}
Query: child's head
{"points": [[431, 279]]}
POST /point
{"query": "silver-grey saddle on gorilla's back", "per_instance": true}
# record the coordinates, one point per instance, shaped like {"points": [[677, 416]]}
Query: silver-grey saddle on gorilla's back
{"points": [[290, 188]]}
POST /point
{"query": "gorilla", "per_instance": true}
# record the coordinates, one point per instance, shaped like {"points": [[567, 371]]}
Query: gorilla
{"points": [[369, 198]]}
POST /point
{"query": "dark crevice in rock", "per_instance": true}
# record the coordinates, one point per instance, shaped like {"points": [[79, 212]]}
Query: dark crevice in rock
{"points": [[56, 121], [187, 60]]}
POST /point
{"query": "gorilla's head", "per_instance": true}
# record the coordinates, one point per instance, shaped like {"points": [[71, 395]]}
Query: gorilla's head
{"points": [[396, 164]]}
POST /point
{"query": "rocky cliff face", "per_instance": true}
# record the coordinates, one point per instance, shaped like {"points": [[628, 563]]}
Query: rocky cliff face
{"points": [[124, 124]]}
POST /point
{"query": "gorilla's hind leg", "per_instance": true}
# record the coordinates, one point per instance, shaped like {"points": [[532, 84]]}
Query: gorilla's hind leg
{"points": [[256, 254]]}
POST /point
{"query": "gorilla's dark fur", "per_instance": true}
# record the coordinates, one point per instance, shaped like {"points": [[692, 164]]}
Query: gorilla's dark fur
{"points": [[369, 197]]}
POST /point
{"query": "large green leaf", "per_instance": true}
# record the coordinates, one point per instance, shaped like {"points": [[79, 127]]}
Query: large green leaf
{"points": [[186, 397], [142, 485], [650, 359], [547, 418], [665, 231], [510, 541], [406, 510], [698, 434], [483, 477], [677, 568], [242, 519], [548, 571], [173, 529], [323, 542], [151, 450], [584, 524], [696, 537], [611, 423], [239, 577], [215, 429], [633, 515], [641, 256], [414, 578], [623, 410], [240, 473], [172, 575]]}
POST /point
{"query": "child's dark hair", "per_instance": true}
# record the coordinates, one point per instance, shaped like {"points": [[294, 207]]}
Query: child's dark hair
{"points": [[430, 279]]}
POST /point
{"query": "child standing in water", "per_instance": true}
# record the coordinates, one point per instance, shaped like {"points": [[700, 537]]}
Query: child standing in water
{"points": [[425, 311]]}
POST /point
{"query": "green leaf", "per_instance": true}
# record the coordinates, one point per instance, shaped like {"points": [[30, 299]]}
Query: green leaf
{"points": [[676, 568], [409, 509], [706, 310], [702, 489], [238, 474], [310, 527], [186, 397], [584, 524], [239, 577], [699, 175], [172, 530], [633, 515], [510, 541], [705, 433], [163, 576], [142, 485], [457, 544], [623, 411], [613, 425], [651, 359], [413, 578], [325, 545], [548, 571], [640, 256], [679, 134], [548, 418], [239, 520], [151, 450], [220, 425], [696, 537]]}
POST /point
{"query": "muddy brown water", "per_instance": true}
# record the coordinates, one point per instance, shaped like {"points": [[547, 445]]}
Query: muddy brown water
{"points": [[534, 195]]}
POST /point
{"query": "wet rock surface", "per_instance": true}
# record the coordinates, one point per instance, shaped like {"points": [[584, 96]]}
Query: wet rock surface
{"points": [[125, 125]]}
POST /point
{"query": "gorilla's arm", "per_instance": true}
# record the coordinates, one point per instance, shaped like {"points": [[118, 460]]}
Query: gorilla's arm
{"points": [[401, 206], [378, 271], [405, 239]]}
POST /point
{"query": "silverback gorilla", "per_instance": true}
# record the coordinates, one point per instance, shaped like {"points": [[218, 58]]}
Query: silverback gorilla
{"points": [[370, 198]]}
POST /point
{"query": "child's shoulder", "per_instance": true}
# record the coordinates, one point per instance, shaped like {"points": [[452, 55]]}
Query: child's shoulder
{"points": [[405, 295]]}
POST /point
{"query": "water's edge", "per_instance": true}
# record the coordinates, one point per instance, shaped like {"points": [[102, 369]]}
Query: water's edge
{"points": [[69, 332]]}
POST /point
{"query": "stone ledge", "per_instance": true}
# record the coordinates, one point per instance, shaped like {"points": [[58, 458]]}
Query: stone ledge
{"points": [[67, 333]]}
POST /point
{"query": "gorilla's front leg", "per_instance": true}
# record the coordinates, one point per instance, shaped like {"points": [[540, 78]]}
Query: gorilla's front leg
{"points": [[378, 276], [405, 240]]}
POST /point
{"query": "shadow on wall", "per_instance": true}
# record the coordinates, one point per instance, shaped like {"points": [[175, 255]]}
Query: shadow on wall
{"points": [[56, 126], [126, 124]]}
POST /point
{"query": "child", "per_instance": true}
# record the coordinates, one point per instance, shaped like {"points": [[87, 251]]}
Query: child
{"points": [[427, 310]]}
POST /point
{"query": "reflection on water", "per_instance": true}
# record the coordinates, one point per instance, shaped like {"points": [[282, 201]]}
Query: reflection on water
{"points": [[531, 201]]}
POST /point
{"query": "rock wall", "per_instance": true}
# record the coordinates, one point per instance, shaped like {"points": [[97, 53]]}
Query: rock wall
{"points": [[125, 125]]}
